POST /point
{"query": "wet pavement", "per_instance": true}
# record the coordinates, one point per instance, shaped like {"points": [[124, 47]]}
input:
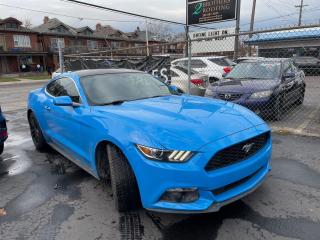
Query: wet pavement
{"points": [[47, 197]]}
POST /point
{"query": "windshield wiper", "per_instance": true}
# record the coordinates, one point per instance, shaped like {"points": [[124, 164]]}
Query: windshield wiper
{"points": [[156, 96], [252, 78], [117, 102], [159, 96]]}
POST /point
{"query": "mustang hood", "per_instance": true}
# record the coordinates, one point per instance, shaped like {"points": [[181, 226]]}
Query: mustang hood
{"points": [[181, 122], [244, 86]]}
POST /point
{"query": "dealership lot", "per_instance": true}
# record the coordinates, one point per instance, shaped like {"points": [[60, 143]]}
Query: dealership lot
{"points": [[303, 119], [47, 197]]}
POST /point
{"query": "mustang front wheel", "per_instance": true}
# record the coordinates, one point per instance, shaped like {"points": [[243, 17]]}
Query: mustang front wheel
{"points": [[123, 181], [36, 133]]}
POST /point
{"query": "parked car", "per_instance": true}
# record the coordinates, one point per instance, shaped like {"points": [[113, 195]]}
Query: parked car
{"points": [[179, 78], [241, 59], [56, 73], [310, 65], [267, 86], [3, 131], [214, 67], [172, 153]]}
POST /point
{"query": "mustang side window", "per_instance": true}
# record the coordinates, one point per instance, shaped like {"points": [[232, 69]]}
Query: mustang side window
{"points": [[51, 88], [64, 87]]}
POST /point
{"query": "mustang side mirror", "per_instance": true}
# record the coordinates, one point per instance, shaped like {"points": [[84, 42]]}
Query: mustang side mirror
{"points": [[63, 101], [175, 90]]}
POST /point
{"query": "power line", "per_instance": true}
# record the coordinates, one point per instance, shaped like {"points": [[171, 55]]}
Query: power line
{"points": [[121, 11], [69, 16], [282, 16], [130, 14]]}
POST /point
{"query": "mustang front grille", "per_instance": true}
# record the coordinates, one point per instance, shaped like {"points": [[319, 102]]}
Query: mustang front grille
{"points": [[237, 152]]}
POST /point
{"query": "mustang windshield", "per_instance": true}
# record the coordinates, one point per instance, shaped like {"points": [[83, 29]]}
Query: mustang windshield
{"points": [[255, 70], [120, 87]]}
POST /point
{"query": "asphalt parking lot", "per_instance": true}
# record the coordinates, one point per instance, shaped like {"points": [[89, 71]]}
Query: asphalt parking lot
{"points": [[47, 197], [304, 119]]}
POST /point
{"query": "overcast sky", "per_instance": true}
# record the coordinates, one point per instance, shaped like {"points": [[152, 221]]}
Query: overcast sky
{"points": [[167, 9]]}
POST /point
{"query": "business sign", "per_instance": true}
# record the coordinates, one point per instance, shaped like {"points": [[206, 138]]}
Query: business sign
{"points": [[210, 11], [212, 41]]}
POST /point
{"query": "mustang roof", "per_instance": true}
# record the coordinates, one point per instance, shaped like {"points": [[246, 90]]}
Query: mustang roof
{"points": [[83, 73]]}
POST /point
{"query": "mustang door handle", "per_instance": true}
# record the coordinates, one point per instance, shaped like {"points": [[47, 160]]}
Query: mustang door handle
{"points": [[47, 108]]}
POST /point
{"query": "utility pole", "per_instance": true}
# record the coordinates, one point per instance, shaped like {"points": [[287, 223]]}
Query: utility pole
{"points": [[253, 14], [147, 38], [236, 45], [301, 6]]}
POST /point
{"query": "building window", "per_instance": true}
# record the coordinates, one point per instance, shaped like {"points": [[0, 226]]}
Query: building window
{"points": [[92, 44], [86, 32], [11, 25], [61, 29], [22, 41], [115, 45], [55, 41]]}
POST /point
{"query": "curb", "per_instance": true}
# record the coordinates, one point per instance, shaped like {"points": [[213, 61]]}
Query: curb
{"points": [[23, 82], [292, 131]]}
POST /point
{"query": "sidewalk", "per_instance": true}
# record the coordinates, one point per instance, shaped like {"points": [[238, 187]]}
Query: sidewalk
{"points": [[23, 82]]}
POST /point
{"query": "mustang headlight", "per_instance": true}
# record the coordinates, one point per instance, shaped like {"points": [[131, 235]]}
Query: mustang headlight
{"points": [[165, 155], [264, 94]]}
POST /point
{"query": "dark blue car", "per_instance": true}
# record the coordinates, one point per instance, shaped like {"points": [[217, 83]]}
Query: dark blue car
{"points": [[266, 86], [3, 131]]}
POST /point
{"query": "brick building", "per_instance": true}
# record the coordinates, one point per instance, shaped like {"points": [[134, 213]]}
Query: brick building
{"points": [[19, 46]]}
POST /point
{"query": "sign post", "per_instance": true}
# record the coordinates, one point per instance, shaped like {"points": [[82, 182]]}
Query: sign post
{"points": [[211, 11], [236, 46]]}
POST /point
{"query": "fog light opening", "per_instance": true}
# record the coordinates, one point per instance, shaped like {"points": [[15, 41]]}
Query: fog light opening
{"points": [[180, 195]]}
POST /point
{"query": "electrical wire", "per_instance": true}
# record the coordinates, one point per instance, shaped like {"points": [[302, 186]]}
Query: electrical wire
{"points": [[69, 16]]}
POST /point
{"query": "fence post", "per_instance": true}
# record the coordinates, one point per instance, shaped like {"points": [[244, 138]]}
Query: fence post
{"points": [[61, 61], [189, 64], [236, 46]]}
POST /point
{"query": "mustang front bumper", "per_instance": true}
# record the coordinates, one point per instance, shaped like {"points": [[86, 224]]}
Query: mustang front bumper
{"points": [[216, 188]]}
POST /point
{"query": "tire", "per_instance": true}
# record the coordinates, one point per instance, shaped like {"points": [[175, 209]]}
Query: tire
{"points": [[36, 133], [1, 148], [301, 98], [123, 181], [278, 110]]}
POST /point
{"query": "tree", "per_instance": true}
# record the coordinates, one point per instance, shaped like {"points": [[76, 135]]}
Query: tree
{"points": [[160, 29], [27, 23]]}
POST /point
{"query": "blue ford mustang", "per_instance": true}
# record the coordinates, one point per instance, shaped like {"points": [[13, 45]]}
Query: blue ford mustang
{"points": [[3, 131], [168, 152]]}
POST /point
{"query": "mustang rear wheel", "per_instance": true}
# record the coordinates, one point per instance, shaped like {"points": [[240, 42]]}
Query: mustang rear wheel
{"points": [[36, 133], [123, 181], [1, 148]]}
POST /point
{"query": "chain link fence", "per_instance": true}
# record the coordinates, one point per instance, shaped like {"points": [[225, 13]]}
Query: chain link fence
{"points": [[275, 73]]}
